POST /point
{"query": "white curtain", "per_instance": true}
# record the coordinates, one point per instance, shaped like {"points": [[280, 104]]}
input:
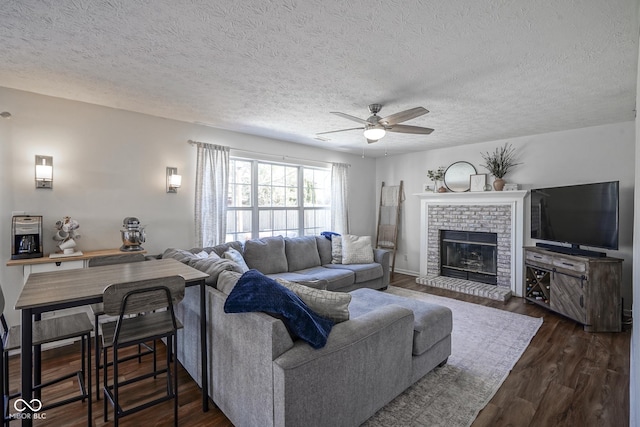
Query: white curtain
{"points": [[212, 176], [339, 198]]}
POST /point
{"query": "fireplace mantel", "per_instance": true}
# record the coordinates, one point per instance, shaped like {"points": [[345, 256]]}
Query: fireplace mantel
{"points": [[469, 197], [513, 199]]}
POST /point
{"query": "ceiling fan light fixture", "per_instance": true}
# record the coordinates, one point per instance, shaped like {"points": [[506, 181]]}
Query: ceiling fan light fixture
{"points": [[374, 133]]}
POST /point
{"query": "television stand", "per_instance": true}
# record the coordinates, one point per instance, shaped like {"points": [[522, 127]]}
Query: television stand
{"points": [[571, 250], [585, 289]]}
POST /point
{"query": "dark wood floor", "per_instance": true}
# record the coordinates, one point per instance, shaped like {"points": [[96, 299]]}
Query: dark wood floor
{"points": [[566, 377]]}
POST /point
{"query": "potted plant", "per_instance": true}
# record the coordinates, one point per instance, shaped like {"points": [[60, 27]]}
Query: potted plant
{"points": [[436, 176], [499, 163]]}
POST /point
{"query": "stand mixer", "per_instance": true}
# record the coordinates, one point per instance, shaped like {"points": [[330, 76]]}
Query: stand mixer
{"points": [[132, 235]]}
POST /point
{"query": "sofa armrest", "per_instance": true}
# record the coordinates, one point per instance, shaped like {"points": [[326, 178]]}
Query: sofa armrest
{"points": [[366, 362], [243, 347], [383, 257]]}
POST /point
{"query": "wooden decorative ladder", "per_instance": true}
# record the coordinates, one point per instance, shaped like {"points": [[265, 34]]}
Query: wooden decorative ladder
{"points": [[391, 198]]}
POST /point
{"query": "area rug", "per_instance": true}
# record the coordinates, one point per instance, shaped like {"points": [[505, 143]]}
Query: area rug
{"points": [[486, 344]]}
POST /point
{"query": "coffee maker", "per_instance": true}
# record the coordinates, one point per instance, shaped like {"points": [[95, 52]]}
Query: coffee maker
{"points": [[132, 235], [26, 237]]}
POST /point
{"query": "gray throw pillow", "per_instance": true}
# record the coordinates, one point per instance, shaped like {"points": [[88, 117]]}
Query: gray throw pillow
{"points": [[227, 280], [332, 305], [213, 266], [266, 255], [336, 250], [180, 254]]}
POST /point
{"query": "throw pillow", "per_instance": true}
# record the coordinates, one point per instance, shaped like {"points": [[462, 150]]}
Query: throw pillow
{"points": [[257, 292], [336, 250], [266, 255], [356, 249], [227, 281], [180, 254], [236, 257], [213, 267], [332, 305]]}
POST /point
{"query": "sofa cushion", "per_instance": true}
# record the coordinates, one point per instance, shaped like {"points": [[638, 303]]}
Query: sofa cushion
{"points": [[301, 252], [267, 255], [336, 279], [431, 324], [332, 305], [363, 272], [256, 292], [324, 249], [236, 256], [356, 249]]}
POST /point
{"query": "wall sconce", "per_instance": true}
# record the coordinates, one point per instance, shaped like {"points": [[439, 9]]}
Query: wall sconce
{"points": [[44, 171], [174, 181]]}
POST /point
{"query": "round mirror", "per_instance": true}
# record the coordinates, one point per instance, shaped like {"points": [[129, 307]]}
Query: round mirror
{"points": [[457, 177]]}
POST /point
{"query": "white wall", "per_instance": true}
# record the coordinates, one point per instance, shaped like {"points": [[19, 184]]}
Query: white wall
{"points": [[600, 153], [110, 164]]}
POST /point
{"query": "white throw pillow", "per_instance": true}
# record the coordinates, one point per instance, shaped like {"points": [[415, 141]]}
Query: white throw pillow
{"points": [[356, 249], [236, 257], [202, 255]]}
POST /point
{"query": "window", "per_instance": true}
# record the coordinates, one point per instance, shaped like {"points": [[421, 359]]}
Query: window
{"points": [[270, 199]]}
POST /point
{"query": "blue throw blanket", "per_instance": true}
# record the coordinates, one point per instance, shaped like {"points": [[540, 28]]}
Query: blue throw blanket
{"points": [[257, 292], [329, 234]]}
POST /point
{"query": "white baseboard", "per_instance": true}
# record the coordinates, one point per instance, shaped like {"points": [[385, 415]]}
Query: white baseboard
{"points": [[407, 272]]}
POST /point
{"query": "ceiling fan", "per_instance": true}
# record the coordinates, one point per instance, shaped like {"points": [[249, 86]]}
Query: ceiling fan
{"points": [[375, 127]]}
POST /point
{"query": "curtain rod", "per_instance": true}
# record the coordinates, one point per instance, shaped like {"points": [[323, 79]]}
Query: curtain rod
{"points": [[192, 142]]}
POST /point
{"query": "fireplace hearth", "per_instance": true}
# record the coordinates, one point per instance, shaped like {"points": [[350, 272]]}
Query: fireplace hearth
{"points": [[469, 255]]}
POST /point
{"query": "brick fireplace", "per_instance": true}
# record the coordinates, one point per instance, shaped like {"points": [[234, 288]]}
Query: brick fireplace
{"points": [[496, 212]]}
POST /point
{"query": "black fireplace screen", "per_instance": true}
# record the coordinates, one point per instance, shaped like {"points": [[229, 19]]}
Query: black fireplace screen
{"points": [[469, 255]]}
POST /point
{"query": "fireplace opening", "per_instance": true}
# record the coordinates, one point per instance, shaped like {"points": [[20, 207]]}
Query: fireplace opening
{"points": [[469, 255]]}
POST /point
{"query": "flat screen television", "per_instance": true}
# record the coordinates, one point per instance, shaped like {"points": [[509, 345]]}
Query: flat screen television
{"points": [[586, 215]]}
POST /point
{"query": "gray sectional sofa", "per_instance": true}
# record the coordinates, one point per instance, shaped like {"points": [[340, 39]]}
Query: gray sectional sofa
{"points": [[298, 259], [260, 375]]}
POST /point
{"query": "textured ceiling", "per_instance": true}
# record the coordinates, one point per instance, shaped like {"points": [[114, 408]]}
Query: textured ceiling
{"points": [[486, 69]]}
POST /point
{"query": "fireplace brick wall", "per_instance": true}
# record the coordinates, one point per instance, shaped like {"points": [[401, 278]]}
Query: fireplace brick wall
{"points": [[483, 218]]}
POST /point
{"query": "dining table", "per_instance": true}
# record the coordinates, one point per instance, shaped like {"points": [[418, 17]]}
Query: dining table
{"points": [[57, 290]]}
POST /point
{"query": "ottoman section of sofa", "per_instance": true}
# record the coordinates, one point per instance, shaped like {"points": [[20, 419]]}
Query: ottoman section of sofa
{"points": [[432, 322]]}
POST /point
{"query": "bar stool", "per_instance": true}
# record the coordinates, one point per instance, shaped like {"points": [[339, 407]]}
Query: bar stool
{"points": [[145, 312], [44, 332], [97, 310]]}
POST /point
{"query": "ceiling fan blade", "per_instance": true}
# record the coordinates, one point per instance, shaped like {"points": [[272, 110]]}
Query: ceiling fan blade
{"points": [[349, 117], [403, 116], [334, 131], [371, 141], [410, 129]]}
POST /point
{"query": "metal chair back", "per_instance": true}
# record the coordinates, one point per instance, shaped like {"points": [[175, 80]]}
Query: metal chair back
{"points": [[142, 296]]}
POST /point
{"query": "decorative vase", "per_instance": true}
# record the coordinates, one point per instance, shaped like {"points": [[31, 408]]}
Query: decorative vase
{"points": [[498, 184]]}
